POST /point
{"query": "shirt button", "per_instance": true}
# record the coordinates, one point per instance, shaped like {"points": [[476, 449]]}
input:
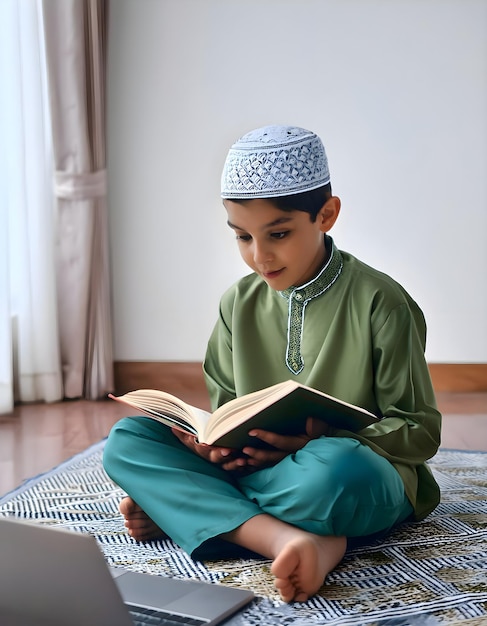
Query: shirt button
{"points": [[298, 296]]}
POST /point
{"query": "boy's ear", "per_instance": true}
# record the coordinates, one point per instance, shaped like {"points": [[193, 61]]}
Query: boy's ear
{"points": [[328, 214]]}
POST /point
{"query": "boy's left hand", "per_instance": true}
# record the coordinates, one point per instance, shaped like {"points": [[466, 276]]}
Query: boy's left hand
{"points": [[284, 444]]}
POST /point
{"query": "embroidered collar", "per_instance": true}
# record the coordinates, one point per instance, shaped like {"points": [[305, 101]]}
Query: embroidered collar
{"points": [[298, 298]]}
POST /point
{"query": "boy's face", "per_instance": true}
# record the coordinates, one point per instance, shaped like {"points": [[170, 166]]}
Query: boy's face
{"points": [[284, 247]]}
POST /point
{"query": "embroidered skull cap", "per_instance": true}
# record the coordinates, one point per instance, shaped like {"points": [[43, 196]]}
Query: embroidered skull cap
{"points": [[274, 161]]}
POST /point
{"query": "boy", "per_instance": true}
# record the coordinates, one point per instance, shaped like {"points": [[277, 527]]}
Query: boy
{"points": [[314, 313]]}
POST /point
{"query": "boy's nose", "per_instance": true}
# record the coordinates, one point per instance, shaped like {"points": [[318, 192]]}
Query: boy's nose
{"points": [[262, 254]]}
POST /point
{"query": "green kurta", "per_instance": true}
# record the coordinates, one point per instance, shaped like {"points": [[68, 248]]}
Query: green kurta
{"points": [[352, 332]]}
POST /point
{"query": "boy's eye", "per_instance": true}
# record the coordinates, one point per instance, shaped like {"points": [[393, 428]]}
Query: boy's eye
{"points": [[280, 235]]}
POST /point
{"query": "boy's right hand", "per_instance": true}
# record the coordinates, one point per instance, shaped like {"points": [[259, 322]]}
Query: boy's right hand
{"points": [[228, 458]]}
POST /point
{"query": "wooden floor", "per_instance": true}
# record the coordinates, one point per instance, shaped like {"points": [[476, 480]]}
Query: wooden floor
{"points": [[36, 438]]}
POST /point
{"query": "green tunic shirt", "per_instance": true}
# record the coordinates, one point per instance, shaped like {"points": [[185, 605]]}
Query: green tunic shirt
{"points": [[352, 332]]}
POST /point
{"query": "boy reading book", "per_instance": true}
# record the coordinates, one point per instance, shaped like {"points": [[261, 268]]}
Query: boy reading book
{"points": [[316, 314]]}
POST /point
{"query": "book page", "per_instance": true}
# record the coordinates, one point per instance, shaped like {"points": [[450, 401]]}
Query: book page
{"points": [[283, 409], [167, 409]]}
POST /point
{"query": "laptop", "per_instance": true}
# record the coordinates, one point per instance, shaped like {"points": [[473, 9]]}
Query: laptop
{"points": [[55, 577]]}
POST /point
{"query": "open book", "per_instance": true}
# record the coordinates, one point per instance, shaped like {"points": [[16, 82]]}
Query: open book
{"points": [[281, 408]]}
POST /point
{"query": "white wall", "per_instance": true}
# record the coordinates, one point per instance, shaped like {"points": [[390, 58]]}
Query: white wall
{"points": [[396, 89]]}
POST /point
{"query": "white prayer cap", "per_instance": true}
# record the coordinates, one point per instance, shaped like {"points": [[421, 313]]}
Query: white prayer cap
{"points": [[274, 161]]}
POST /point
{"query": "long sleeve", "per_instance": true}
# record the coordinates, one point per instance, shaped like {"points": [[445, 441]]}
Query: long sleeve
{"points": [[218, 364], [409, 432]]}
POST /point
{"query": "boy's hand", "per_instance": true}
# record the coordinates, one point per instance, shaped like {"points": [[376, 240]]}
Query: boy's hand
{"points": [[252, 459], [284, 444], [228, 458]]}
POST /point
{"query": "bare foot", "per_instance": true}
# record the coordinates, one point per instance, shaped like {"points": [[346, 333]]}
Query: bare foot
{"points": [[301, 560], [303, 563], [139, 524]]}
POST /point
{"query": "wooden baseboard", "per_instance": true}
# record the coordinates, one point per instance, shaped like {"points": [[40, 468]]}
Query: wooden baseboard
{"points": [[181, 378], [185, 379], [459, 377]]}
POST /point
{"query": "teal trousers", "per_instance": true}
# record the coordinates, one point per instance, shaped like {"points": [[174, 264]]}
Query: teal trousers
{"points": [[332, 486]]}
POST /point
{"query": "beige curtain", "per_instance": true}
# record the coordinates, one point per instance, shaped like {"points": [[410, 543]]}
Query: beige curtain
{"points": [[75, 39]]}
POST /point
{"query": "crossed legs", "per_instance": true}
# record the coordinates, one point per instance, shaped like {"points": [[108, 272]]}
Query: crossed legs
{"points": [[297, 514], [301, 560]]}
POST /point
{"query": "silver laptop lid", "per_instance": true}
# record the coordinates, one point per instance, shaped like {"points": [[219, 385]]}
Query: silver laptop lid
{"points": [[53, 576], [57, 577]]}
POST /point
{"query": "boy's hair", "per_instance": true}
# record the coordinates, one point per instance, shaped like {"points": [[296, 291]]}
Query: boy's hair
{"points": [[308, 202]]}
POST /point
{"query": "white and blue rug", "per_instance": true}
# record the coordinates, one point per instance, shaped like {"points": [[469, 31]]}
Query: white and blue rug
{"points": [[425, 574]]}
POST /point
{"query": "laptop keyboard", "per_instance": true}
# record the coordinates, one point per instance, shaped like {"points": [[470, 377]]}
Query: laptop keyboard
{"points": [[142, 616]]}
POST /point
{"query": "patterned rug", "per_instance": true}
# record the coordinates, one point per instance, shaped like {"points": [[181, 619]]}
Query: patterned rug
{"points": [[427, 573]]}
